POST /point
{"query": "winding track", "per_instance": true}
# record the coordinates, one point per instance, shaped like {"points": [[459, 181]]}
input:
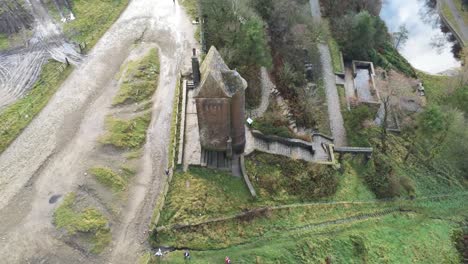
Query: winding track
{"points": [[51, 155]]}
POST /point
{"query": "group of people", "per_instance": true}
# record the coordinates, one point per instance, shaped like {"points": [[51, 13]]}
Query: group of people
{"points": [[159, 253]]}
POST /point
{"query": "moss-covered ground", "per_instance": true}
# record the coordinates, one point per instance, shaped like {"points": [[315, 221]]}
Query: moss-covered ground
{"points": [[89, 223], [4, 42], [116, 181], [126, 134], [140, 80]]}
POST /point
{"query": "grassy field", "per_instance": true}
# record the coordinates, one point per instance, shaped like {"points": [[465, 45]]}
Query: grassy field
{"points": [[372, 232], [140, 80], [17, 116], [93, 18], [88, 223], [213, 215]]}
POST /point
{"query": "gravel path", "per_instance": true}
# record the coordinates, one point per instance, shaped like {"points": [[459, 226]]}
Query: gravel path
{"points": [[267, 87], [51, 154], [333, 101]]}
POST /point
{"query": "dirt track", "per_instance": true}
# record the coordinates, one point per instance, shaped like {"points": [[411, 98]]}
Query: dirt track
{"points": [[52, 154]]}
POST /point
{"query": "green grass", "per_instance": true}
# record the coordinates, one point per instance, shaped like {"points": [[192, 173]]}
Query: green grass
{"points": [[88, 221], [116, 181], [126, 134], [4, 42], [335, 54], [280, 179], [140, 80], [435, 86], [190, 7], [17, 116], [352, 186], [296, 233], [342, 95], [376, 241], [450, 16], [175, 124], [93, 18], [203, 193]]}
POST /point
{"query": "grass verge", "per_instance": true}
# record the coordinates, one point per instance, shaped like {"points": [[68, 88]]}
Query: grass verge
{"points": [[126, 134], [4, 42], [88, 221], [93, 19], [17, 116], [175, 124], [335, 54], [140, 80]]}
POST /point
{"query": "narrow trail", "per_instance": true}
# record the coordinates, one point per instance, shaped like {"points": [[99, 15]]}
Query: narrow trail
{"points": [[333, 101], [53, 153], [267, 87]]}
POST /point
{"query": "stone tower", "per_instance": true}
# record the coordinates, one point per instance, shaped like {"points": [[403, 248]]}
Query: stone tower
{"points": [[220, 102]]}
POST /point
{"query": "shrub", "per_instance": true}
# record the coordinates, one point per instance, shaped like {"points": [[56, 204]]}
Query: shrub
{"points": [[354, 124], [280, 177], [382, 179]]}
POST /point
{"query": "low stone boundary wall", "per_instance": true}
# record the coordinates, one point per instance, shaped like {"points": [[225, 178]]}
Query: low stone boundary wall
{"points": [[246, 177], [286, 141]]}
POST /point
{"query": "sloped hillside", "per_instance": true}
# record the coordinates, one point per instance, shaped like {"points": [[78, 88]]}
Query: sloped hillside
{"points": [[14, 16]]}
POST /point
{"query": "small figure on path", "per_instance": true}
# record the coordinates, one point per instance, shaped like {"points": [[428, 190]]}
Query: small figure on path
{"points": [[227, 260], [159, 253], [187, 255], [167, 172]]}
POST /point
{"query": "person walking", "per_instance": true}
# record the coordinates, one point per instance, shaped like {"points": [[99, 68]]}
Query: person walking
{"points": [[227, 260], [187, 255]]}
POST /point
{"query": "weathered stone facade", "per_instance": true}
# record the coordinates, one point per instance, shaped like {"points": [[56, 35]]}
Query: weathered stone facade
{"points": [[220, 102]]}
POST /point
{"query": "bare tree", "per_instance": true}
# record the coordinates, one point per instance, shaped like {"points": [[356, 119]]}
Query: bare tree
{"points": [[401, 36], [384, 125]]}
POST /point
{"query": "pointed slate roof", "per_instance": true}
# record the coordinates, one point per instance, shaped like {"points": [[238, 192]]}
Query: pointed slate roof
{"points": [[218, 81]]}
